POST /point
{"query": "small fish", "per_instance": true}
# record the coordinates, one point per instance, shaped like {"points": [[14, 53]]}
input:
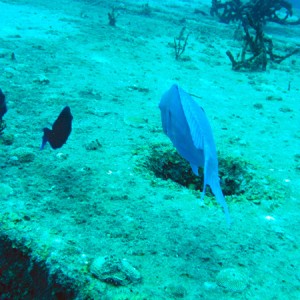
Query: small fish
{"points": [[61, 130], [3, 110], [185, 123], [3, 107]]}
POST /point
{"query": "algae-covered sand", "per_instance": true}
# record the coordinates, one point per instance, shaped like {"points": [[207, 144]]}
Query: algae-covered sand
{"points": [[99, 196]]}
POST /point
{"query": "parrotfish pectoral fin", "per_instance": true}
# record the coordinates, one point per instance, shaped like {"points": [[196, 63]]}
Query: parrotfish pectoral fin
{"points": [[195, 169]]}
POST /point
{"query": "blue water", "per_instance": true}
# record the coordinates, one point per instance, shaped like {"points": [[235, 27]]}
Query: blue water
{"points": [[295, 3]]}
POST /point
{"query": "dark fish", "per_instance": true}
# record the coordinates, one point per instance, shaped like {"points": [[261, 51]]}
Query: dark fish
{"points": [[185, 123], [3, 107], [61, 130]]}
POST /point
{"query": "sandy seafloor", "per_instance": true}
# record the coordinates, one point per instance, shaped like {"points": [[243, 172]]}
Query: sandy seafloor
{"points": [[69, 206]]}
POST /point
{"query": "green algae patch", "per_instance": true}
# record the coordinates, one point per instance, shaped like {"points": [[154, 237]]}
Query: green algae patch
{"points": [[5, 190], [240, 179], [7, 139]]}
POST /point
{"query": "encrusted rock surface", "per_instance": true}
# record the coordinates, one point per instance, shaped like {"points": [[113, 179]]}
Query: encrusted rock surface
{"points": [[232, 279]]}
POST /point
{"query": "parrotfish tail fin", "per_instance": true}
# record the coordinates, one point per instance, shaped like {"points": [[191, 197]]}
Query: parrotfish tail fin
{"points": [[216, 189], [203, 194], [44, 142], [44, 138]]}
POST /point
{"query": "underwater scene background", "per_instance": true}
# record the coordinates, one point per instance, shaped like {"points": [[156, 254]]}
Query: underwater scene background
{"points": [[114, 212]]}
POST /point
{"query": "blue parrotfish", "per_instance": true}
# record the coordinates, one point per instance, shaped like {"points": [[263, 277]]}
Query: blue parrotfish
{"points": [[185, 123]]}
